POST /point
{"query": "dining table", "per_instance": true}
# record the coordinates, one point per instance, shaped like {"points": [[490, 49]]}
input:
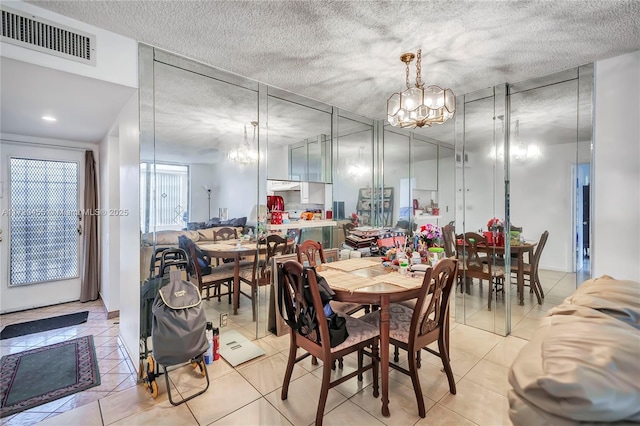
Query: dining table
{"points": [[236, 249], [366, 281], [518, 249], [231, 249]]}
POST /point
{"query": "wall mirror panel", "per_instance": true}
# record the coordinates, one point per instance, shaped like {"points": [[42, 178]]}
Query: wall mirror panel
{"points": [[199, 172], [392, 202], [353, 171]]}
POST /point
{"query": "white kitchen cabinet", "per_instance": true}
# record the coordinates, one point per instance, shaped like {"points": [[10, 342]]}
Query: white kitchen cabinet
{"points": [[311, 193]]}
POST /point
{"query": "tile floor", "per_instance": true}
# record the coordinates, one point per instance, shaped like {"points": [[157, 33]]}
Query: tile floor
{"points": [[250, 393]]}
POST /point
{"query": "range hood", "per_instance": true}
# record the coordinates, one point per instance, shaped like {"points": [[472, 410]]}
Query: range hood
{"points": [[274, 185]]}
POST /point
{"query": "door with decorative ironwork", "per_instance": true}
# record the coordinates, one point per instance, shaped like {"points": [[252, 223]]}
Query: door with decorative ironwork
{"points": [[40, 217]]}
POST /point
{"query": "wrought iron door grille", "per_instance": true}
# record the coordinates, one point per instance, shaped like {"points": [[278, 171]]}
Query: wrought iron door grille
{"points": [[43, 220]]}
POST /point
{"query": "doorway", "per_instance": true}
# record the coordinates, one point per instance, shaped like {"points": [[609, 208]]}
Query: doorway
{"points": [[40, 202], [582, 221]]}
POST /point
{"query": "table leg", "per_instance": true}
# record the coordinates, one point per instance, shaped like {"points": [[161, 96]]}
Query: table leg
{"points": [[236, 284], [384, 353]]}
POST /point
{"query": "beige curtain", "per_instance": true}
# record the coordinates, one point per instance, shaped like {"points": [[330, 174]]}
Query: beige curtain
{"points": [[90, 262]]}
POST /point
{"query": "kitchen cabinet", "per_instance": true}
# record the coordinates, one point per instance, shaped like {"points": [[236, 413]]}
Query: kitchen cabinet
{"points": [[311, 193]]}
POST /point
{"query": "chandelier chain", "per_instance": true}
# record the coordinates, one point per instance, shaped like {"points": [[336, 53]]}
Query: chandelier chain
{"points": [[407, 75], [419, 70]]}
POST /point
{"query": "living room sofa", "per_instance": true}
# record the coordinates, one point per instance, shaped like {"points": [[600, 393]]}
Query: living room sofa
{"points": [[583, 364]]}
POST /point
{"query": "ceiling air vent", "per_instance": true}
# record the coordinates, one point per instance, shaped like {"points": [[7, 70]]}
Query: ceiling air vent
{"points": [[44, 36]]}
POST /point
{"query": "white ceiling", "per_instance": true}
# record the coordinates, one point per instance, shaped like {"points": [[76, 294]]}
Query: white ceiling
{"points": [[345, 54]]}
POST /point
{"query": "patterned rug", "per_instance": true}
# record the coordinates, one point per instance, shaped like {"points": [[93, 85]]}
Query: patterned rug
{"points": [[37, 376]]}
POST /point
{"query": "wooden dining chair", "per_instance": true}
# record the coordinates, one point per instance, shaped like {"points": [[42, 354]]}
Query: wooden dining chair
{"points": [[219, 275], [414, 329], [476, 266], [295, 309], [311, 253], [259, 274], [530, 270]]}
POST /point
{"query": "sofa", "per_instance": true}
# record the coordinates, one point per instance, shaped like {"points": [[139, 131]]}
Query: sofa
{"points": [[167, 239], [582, 364]]}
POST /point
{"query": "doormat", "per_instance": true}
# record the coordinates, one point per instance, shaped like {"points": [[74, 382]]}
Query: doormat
{"points": [[30, 327], [236, 349], [38, 376]]}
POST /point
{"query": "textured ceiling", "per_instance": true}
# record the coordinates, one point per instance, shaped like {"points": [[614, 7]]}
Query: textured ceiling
{"points": [[347, 53]]}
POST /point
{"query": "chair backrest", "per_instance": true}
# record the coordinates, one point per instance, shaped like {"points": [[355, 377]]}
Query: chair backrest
{"points": [[449, 237], [225, 233], [347, 228], [433, 300], [296, 308], [194, 272], [310, 250], [538, 250], [275, 245], [473, 265]]}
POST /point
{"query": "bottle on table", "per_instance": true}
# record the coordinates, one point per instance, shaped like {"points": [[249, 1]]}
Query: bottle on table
{"points": [[216, 344], [208, 355]]}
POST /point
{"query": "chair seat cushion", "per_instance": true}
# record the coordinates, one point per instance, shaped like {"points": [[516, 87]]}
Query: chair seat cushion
{"points": [[219, 273], [399, 321], [359, 331]]}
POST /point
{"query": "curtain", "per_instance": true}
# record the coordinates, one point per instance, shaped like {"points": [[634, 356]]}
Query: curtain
{"points": [[90, 263]]}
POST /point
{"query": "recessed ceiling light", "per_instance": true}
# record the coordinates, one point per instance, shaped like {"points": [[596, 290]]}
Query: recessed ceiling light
{"points": [[49, 118]]}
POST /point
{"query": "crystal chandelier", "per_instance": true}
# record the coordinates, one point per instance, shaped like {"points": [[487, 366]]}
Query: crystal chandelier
{"points": [[245, 153], [419, 106]]}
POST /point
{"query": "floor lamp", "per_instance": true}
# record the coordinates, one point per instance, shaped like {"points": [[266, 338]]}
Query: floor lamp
{"points": [[209, 199]]}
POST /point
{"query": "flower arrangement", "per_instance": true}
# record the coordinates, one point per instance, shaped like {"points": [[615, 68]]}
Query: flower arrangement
{"points": [[429, 234], [355, 220], [495, 224]]}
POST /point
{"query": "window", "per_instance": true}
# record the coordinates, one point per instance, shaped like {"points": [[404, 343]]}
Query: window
{"points": [[43, 220], [171, 196]]}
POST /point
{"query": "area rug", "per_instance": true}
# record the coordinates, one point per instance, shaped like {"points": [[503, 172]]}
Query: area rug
{"points": [[37, 376], [236, 349], [46, 324]]}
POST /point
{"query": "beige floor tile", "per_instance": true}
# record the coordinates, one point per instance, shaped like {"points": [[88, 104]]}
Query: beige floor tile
{"points": [[402, 404], [349, 413], [161, 414], [461, 361], [353, 385], [491, 376], [477, 404], [526, 327], [108, 382], [506, 351], [79, 399], [123, 404], [24, 419], [257, 413], [474, 341], [279, 342], [433, 382], [441, 416], [226, 395], [301, 404], [49, 407], [268, 374], [87, 415]]}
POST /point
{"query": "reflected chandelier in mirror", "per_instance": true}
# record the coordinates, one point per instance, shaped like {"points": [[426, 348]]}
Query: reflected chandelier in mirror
{"points": [[245, 153]]}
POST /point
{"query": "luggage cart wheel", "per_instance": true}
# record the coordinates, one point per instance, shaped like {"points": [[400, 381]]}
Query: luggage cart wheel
{"points": [[141, 370], [154, 389]]}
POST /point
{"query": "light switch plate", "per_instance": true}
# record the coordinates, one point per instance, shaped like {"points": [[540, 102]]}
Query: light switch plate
{"points": [[223, 320]]}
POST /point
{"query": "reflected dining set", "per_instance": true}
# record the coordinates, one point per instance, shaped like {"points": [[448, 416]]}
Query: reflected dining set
{"points": [[485, 260], [363, 282]]}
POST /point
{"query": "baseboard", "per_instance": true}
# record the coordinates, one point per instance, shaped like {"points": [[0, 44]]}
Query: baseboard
{"points": [[113, 314]]}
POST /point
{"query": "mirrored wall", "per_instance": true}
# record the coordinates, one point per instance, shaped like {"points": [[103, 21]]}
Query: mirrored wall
{"points": [[523, 161]]}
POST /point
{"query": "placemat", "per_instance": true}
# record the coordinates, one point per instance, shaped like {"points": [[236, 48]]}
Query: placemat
{"points": [[404, 281], [343, 281], [349, 265]]}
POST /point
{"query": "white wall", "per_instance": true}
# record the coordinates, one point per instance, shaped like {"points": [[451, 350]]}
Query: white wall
{"points": [[201, 175], [129, 247], [239, 193], [616, 173], [110, 225], [112, 50]]}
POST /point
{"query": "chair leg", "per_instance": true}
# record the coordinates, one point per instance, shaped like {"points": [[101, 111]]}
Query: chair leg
{"points": [[314, 360], [418, 359], [413, 372], [326, 380], [375, 357], [396, 354], [360, 359], [290, 363], [340, 363], [491, 283], [534, 288], [444, 356], [230, 287]]}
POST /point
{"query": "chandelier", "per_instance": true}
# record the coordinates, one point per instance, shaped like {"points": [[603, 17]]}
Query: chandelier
{"points": [[359, 168], [245, 153], [518, 150], [419, 106]]}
